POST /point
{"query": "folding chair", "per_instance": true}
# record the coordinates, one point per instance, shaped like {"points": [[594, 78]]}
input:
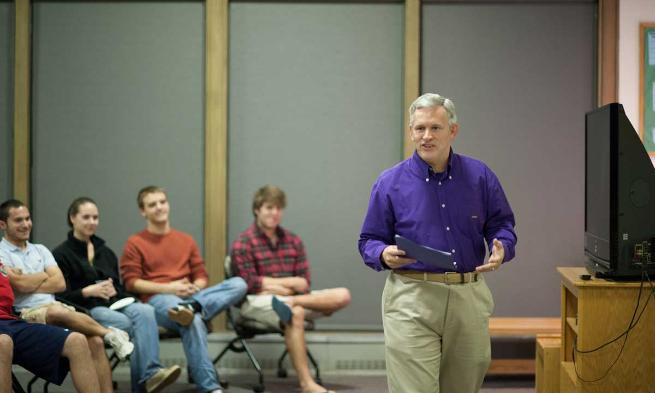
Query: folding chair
{"points": [[15, 385], [245, 330]]}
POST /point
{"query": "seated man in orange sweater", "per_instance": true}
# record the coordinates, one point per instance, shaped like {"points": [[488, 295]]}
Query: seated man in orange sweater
{"points": [[164, 266]]}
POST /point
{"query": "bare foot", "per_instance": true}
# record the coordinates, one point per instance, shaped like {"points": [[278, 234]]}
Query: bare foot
{"points": [[313, 387]]}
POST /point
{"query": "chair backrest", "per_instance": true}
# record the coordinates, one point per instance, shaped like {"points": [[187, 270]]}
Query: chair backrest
{"points": [[228, 266]]}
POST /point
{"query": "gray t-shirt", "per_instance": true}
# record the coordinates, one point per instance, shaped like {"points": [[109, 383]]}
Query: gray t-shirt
{"points": [[34, 258]]}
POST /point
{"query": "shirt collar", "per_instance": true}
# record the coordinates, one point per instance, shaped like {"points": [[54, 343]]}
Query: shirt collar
{"points": [[6, 244], [259, 233], [423, 170], [80, 246]]}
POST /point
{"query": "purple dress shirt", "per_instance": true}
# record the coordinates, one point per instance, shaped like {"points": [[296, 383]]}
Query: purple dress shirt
{"points": [[454, 211]]}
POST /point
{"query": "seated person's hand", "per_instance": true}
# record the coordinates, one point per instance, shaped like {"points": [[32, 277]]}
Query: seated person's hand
{"points": [[299, 285], [111, 289], [15, 270], [102, 289], [182, 288], [277, 290]]}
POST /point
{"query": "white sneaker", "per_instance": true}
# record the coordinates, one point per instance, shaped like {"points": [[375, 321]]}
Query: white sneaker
{"points": [[120, 342]]}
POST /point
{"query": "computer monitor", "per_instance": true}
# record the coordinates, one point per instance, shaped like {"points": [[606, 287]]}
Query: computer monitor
{"points": [[619, 197]]}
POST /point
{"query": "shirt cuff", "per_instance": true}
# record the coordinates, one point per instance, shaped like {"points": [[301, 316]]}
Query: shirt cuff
{"points": [[384, 265]]}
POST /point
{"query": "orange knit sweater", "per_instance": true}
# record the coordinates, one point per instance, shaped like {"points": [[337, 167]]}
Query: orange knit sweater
{"points": [[161, 259]]}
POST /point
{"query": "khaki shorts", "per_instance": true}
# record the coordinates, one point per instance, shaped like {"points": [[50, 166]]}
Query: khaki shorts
{"points": [[258, 311], [38, 314]]}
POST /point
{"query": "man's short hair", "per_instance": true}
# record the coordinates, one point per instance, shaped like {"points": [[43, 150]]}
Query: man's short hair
{"points": [[433, 100], [269, 194], [145, 191], [8, 205]]}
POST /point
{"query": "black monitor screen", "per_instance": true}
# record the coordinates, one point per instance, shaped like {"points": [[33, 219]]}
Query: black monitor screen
{"points": [[597, 215]]}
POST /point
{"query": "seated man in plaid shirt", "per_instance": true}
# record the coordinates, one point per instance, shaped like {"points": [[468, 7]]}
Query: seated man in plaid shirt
{"points": [[272, 261]]}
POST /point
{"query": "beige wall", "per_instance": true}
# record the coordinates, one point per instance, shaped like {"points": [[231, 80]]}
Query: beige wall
{"points": [[631, 13]]}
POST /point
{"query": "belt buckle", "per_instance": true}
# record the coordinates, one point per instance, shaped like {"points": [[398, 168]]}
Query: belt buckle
{"points": [[447, 281]]}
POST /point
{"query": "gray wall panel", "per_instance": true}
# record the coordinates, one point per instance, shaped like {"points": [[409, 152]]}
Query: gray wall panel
{"points": [[522, 77], [117, 104], [6, 97], [316, 108]]}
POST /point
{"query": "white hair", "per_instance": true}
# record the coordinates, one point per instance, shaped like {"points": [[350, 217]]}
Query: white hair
{"points": [[433, 100]]}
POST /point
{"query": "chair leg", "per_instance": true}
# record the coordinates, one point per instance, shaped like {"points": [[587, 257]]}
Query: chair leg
{"points": [[243, 347], [113, 363], [254, 362], [229, 346], [281, 370], [15, 385]]}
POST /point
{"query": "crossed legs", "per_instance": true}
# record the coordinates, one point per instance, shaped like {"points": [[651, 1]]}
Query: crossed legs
{"points": [[326, 302], [63, 317], [85, 376]]}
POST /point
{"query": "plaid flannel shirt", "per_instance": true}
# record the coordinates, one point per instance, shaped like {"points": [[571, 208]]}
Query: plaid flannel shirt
{"points": [[254, 257]]}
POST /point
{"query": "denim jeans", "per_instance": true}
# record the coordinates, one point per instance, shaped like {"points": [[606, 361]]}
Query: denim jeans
{"points": [[194, 337], [138, 320]]}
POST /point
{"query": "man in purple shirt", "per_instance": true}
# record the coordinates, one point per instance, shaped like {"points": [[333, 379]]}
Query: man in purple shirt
{"points": [[436, 324]]}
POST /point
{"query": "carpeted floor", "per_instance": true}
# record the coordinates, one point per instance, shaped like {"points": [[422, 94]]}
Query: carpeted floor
{"points": [[343, 383]]}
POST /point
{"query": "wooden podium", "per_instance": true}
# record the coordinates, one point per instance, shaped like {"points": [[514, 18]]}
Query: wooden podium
{"points": [[595, 312]]}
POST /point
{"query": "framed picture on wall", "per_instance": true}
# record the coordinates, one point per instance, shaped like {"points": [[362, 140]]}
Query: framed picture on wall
{"points": [[647, 86]]}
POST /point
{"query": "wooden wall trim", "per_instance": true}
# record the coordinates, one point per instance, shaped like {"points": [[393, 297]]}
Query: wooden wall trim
{"points": [[412, 66], [22, 82], [608, 51], [216, 68]]}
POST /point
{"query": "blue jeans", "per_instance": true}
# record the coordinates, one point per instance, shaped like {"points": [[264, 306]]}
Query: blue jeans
{"points": [[194, 337], [138, 320]]}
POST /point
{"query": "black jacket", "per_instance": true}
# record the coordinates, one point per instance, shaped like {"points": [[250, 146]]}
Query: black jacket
{"points": [[71, 256]]}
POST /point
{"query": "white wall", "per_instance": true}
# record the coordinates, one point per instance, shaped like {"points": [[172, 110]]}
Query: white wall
{"points": [[631, 13]]}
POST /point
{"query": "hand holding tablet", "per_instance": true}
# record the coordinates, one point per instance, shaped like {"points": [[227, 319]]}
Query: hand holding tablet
{"points": [[429, 256]]}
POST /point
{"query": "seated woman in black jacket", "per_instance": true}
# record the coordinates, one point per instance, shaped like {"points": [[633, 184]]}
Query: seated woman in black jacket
{"points": [[92, 281]]}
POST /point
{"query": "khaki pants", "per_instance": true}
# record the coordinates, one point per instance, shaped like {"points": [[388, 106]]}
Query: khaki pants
{"points": [[38, 314], [258, 308], [436, 335]]}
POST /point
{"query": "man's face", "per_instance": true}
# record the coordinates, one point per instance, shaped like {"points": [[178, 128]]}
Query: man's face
{"points": [[269, 216], [155, 208], [432, 136], [18, 226]]}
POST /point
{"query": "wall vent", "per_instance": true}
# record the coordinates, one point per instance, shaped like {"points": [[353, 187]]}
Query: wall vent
{"points": [[360, 364]]}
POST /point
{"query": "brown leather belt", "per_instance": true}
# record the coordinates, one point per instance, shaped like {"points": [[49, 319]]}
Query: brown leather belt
{"points": [[445, 278]]}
